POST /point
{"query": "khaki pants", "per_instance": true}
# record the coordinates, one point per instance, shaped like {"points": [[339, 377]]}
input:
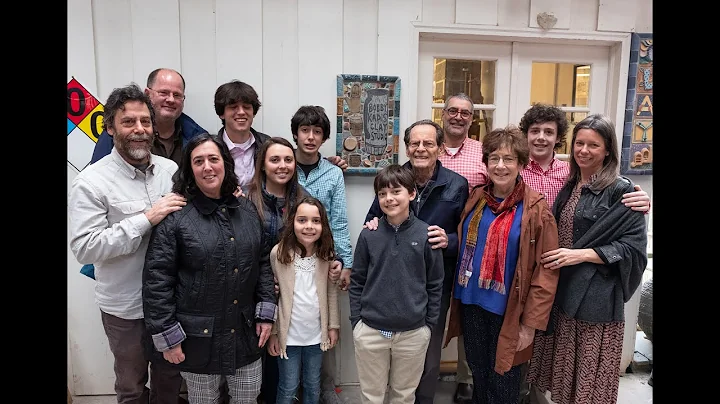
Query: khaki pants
{"points": [[374, 354]]}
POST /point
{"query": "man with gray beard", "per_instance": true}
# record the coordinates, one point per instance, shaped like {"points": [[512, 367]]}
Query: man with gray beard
{"points": [[114, 204]]}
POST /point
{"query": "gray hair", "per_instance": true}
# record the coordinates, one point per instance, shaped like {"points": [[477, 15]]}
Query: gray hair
{"points": [[461, 96]]}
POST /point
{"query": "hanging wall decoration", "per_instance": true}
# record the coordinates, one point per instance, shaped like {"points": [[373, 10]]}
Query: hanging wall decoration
{"points": [[637, 146], [84, 124], [368, 122]]}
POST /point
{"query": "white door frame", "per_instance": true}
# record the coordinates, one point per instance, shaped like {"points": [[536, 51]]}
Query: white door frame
{"points": [[619, 44], [618, 66]]}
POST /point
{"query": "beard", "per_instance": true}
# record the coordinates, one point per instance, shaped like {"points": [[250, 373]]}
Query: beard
{"points": [[135, 151]]}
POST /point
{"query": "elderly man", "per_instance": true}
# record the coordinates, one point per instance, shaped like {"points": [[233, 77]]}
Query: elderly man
{"points": [[441, 197], [114, 204]]}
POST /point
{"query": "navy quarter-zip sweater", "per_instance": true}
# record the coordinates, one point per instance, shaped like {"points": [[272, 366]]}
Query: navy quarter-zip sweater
{"points": [[397, 278]]}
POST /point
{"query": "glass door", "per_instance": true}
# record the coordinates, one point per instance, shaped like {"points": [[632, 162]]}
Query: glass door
{"points": [[573, 78]]}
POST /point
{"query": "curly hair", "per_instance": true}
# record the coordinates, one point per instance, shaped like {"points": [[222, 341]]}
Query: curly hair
{"points": [[541, 113]]}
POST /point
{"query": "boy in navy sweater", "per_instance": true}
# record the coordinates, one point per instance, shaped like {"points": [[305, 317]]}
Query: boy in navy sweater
{"points": [[395, 290]]}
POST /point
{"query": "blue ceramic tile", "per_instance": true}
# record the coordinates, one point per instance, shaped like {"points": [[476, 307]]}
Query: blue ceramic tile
{"points": [[340, 90], [397, 108], [339, 128], [367, 77], [632, 74], [397, 90], [396, 125], [351, 77]]}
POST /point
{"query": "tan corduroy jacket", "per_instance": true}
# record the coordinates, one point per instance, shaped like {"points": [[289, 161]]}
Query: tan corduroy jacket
{"points": [[327, 297]]}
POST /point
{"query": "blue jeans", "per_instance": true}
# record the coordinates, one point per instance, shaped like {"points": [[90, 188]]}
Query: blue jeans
{"points": [[309, 358]]}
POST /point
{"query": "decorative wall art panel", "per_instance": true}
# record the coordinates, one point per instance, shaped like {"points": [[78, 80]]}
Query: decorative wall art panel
{"points": [[637, 145], [368, 122]]}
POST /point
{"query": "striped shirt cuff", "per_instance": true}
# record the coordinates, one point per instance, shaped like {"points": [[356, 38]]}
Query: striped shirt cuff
{"points": [[266, 311], [169, 338]]}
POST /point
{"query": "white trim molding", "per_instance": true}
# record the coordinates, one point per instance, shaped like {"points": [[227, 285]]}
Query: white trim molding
{"points": [[619, 44]]}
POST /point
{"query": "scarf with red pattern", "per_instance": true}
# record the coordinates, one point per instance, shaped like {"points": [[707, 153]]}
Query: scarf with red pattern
{"points": [[492, 266]]}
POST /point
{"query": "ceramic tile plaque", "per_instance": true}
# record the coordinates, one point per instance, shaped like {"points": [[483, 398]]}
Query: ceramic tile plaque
{"points": [[637, 146], [368, 122]]}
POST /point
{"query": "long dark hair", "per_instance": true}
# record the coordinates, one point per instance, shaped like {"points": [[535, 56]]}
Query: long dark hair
{"points": [[288, 244], [292, 193], [611, 164], [184, 179]]}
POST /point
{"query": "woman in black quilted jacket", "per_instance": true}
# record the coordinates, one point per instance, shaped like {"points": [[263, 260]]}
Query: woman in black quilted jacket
{"points": [[208, 295]]}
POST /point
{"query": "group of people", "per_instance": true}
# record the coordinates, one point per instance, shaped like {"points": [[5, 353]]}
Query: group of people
{"points": [[219, 258]]}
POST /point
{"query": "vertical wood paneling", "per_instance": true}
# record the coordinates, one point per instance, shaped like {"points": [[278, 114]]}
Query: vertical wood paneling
{"points": [[280, 65], [438, 11], [197, 49], [394, 28], [644, 17], [113, 45], [483, 12], [513, 13], [559, 8], [81, 44], [583, 15], [320, 49], [616, 15], [155, 37], [239, 48], [360, 41]]}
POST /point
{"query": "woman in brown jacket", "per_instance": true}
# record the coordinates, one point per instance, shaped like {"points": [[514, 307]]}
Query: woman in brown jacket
{"points": [[502, 293]]}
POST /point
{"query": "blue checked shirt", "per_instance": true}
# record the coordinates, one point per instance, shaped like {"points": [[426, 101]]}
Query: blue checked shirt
{"points": [[327, 184]]}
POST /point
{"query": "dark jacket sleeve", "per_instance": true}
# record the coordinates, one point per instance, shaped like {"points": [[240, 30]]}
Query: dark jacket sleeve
{"points": [[160, 277], [103, 147], [265, 287], [374, 211], [434, 283], [358, 276], [453, 240]]}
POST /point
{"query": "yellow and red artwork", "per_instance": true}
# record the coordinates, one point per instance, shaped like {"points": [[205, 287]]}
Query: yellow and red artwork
{"points": [[84, 124]]}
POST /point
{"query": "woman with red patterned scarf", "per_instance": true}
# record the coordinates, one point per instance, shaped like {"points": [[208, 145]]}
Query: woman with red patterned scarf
{"points": [[502, 293]]}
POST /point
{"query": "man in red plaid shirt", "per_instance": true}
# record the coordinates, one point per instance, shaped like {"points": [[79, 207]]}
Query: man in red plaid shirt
{"points": [[463, 155]]}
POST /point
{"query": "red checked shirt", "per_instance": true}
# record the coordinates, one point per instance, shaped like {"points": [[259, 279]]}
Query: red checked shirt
{"points": [[467, 162], [547, 182]]}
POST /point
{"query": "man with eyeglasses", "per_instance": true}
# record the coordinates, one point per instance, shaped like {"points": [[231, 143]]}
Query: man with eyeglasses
{"points": [[463, 155], [440, 198], [173, 128], [114, 204]]}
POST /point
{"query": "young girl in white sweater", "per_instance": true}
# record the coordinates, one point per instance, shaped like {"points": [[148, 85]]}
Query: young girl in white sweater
{"points": [[308, 320]]}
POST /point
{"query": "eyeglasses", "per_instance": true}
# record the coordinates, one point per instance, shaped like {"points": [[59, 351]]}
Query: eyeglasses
{"points": [[508, 160], [428, 144], [454, 111], [166, 94]]}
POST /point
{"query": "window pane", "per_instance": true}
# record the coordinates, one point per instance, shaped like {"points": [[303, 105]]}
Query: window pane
{"points": [[560, 84], [573, 118], [481, 125], [473, 77]]}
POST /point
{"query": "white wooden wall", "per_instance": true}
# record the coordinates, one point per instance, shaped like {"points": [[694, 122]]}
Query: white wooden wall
{"points": [[290, 51]]}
